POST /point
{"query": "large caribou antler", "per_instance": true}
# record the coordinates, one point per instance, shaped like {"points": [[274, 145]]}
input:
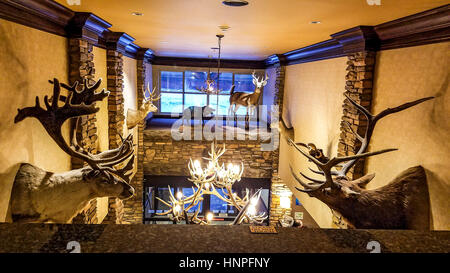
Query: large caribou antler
{"points": [[325, 166], [79, 103]]}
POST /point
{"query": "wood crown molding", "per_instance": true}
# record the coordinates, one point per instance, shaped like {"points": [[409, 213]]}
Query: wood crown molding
{"points": [[87, 26], [119, 41], [199, 62], [431, 26], [44, 15]]}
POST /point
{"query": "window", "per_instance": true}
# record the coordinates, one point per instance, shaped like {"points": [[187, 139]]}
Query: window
{"points": [[180, 89], [156, 186]]}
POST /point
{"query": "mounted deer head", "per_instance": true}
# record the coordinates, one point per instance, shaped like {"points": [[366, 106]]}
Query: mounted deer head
{"points": [[249, 100], [398, 205], [40, 196], [136, 116]]}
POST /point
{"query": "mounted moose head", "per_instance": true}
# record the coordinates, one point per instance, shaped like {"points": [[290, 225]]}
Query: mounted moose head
{"points": [[401, 204], [41, 196], [248, 100], [136, 116]]}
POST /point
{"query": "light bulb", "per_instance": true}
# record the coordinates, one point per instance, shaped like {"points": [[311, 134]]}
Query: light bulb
{"points": [[177, 208], [209, 216], [207, 185], [236, 169], [251, 210], [197, 164], [254, 201], [230, 166], [285, 202], [179, 195]]}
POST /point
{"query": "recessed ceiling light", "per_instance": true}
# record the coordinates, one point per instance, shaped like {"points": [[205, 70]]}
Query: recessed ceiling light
{"points": [[315, 22], [164, 42], [136, 13], [224, 27], [235, 3]]}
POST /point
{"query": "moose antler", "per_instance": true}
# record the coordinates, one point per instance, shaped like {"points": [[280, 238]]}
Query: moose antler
{"points": [[325, 166], [79, 103]]}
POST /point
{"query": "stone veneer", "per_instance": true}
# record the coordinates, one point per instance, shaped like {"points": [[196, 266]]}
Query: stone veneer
{"points": [[133, 207], [278, 187], [81, 60], [165, 156], [114, 61], [359, 82]]}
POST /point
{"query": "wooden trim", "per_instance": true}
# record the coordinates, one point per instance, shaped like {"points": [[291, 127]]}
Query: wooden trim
{"points": [[431, 26], [44, 15], [87, 26], [198, 62]]}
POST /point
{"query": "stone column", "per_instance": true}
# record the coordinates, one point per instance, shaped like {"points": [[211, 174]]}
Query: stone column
{"points": [[278, 187], [84, 30], [81, 66], [133, 207], [116, 42], [359, 81]]}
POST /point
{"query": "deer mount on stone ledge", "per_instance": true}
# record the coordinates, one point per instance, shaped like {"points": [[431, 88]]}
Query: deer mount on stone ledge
{"points": [[41, 196], [401, 204]]}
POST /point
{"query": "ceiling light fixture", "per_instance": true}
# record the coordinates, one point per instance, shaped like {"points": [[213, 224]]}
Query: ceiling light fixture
{"points": [[315, 22], [235, 3], [136, 13]]}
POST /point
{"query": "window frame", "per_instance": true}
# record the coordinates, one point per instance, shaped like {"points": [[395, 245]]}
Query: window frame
{"points": [[156, 78]]}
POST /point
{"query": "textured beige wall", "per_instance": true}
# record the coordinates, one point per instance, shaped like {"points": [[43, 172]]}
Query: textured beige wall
{"points": [[102, 120], [28, 59], [422, 133], [313, 96], [130, 95]]}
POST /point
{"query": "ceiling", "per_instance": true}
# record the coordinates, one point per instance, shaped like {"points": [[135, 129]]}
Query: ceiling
{"points": [[187, 28]]}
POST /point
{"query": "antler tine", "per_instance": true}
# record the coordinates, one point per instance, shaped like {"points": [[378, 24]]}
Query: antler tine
{"points": [[372, 121]]}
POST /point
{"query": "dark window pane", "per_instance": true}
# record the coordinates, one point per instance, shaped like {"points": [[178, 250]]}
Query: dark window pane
{"points": [[164, 194], [225, 82], [216, 204], [244, 83], [171, 81], [171, 103], [189, 192], [194, 100], [194, 81]]}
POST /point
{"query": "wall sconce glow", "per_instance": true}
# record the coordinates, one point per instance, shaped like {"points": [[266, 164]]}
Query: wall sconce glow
{"points": [[285, 202]]}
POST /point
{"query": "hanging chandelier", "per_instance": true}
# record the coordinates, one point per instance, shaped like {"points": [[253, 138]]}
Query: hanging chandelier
{"points": [[209, 181], [210, 89]]}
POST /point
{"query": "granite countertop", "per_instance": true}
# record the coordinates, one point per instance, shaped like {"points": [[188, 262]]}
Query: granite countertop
{"points": [[212, 239]]}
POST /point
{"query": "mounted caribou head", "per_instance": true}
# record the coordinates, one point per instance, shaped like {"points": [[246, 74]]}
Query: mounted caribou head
{"points": [[40, 196]]}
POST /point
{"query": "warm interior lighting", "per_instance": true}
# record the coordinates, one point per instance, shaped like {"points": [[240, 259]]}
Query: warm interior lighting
{"points": [[285, 202], [179, 195], [251, 210], [209, 216]]}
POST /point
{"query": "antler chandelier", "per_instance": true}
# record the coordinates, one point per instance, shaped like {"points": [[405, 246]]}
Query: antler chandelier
{"points": [[207, 181]]}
